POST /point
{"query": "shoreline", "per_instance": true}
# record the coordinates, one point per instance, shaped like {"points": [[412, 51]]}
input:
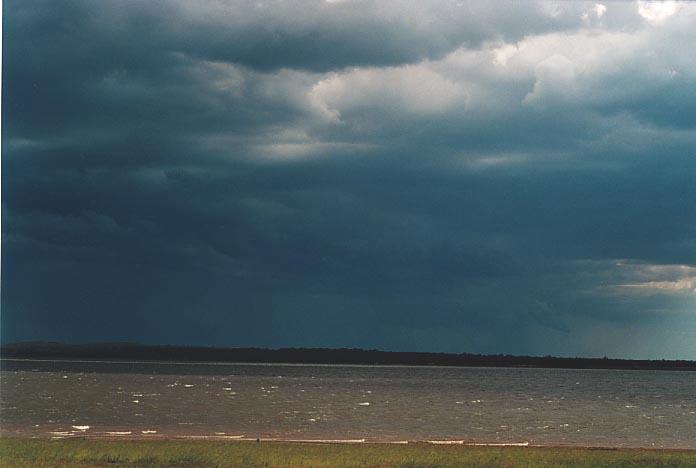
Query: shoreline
{"points": [[128, 436], [321, 356]]}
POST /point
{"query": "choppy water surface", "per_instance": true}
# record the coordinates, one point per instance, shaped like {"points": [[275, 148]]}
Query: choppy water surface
{"points": [[498, 405]]}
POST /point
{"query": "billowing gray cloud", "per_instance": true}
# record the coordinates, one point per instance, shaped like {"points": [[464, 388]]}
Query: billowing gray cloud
{"points": [[440, 176]]}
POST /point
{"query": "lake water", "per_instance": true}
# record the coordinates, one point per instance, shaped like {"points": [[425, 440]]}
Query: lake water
{"points": [[310, 402]]}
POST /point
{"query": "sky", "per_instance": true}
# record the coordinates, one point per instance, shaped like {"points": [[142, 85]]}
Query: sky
{"points": [[458, 176]]}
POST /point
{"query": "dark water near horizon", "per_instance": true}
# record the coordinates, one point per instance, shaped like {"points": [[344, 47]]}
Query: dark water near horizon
{"points": [[488, 405]]}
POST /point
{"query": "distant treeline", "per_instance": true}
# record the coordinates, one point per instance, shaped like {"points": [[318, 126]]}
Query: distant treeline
{"points": [[136, 352]]}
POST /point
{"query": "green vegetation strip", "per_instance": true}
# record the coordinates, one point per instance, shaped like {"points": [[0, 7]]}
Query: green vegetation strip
{"points": [[18, 453]]}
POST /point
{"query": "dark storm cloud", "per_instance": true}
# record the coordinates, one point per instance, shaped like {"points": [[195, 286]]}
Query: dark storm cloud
{"points": [[437, 177], [312, 35]]}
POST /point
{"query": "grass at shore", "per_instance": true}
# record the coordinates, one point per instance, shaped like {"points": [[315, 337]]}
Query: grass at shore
{"points": [[19, 453]]}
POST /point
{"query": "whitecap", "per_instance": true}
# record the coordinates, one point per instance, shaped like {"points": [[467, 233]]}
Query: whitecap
{"points": [[81, 428], [366, 403], [118, 433], [502, 444], [319, 441], [149, 432]]}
